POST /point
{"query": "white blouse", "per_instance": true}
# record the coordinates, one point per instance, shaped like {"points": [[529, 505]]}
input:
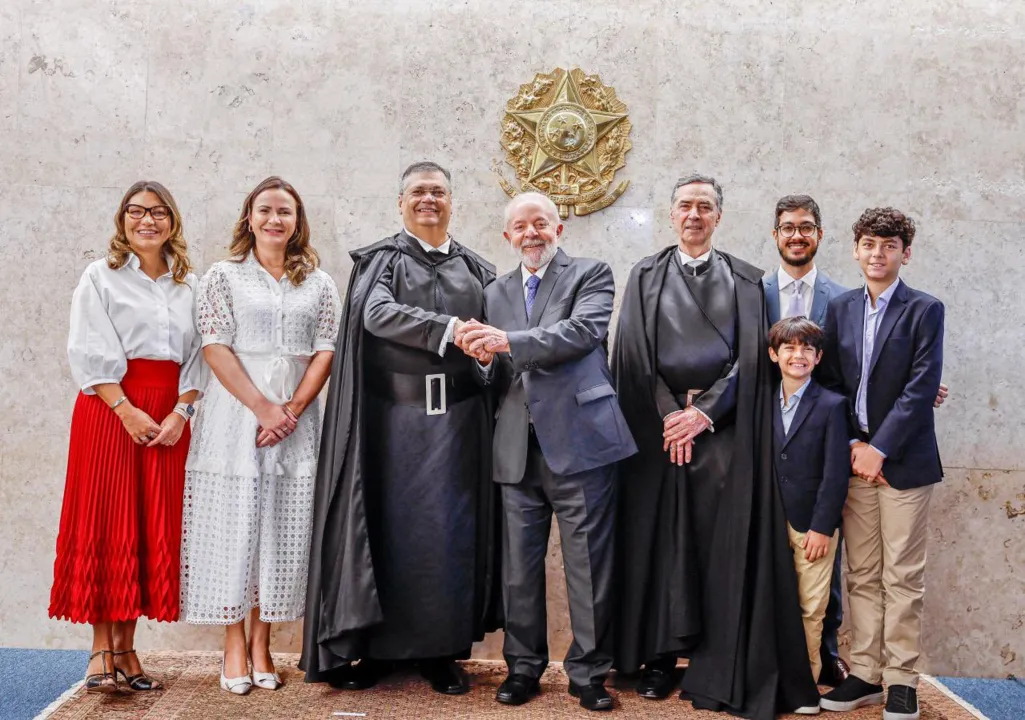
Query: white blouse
{"points": [[121, 315]]}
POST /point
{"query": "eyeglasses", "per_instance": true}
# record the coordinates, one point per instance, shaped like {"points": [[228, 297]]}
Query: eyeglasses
{"points": [[806, 229], [420, 193], [157, 212]]}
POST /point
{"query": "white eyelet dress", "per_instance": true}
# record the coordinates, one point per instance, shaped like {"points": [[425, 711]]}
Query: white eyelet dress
{"points": [[248, 511]]}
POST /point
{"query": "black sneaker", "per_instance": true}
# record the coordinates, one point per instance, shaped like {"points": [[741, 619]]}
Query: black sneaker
{"points": [[852, 694], [901, 703]]}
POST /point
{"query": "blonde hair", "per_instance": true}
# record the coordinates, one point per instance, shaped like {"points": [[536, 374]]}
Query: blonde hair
{"points": [[300, 257], [119, 248]]}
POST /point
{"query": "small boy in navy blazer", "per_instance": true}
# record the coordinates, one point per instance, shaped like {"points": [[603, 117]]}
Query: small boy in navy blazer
{"points": [[884, 352], [812, 463]]}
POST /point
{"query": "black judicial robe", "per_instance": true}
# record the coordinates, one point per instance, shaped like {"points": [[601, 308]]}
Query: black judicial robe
{"points": [[404, 548], [703, 562]]}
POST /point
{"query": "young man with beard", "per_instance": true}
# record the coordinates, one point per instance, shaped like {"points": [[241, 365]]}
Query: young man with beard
{"points": [[798, 288], [401, 562], [559, 435], [704, 569]]}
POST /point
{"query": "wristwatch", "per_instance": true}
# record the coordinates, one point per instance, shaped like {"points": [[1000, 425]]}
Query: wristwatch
{"points": [[185, 410]]}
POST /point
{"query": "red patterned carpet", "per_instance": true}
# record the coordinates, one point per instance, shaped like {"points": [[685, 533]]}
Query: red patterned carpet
{"points": [[192, 691]]}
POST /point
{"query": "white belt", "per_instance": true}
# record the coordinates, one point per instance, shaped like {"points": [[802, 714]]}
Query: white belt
{"points": [[275, 375]]}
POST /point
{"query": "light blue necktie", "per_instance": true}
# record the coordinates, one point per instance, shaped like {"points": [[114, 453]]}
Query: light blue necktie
{"points": [[532, 282]]}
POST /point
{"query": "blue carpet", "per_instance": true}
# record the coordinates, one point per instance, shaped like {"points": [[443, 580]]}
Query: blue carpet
{"points": [[32, 679], [996, 699]]}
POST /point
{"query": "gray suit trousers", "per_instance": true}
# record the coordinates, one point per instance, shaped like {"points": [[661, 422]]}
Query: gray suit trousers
{"points": [[584, 505]]}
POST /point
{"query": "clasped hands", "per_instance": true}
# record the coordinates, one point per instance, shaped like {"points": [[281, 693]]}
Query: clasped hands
{"points": [[867, 463], [276, 422], [480, 341], [680, 428], [145, 431]]}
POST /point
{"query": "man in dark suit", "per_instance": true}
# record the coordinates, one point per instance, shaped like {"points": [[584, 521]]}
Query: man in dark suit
{"points": [[559, 434], [884, 352], [797, 288], [812, 463]]}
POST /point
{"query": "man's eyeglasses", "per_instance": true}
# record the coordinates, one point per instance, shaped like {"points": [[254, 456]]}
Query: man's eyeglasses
{"points": [[420, 193], [805, 229], [157, 212]]}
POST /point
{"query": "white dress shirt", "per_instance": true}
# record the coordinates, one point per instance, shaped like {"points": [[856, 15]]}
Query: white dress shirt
{"points": [[121, 315], [444, 249], [687, 259], [786, 291]]}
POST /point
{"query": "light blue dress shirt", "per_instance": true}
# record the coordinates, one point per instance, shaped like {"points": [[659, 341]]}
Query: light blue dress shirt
{"points": [[873, 316], [789, 411]]}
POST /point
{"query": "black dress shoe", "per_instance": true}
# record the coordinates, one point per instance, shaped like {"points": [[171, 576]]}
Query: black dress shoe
{"points": [[358, 676], [834, 671], [517, 689], [655, 683], [445, 677], [592, 697]]}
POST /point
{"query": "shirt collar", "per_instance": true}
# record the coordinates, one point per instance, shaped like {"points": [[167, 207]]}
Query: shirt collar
{"points": [[444, 248], [134, 263], [795, 398], [540, 272], [884, 297], [685, 258], [784, 280]]}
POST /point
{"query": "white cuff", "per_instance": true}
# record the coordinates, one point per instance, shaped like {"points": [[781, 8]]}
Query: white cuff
{"points": [[450, 332]]}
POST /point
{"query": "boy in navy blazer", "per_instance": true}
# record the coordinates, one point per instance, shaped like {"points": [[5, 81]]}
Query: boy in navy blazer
{"points": [[812, 463], [884, 352]]}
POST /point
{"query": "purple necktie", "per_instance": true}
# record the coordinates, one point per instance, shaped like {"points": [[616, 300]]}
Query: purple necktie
{"points": [[532, 282]]}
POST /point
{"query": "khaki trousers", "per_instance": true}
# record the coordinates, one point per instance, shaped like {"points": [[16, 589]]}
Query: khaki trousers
{"points": [[813, 579], [885, 531]]}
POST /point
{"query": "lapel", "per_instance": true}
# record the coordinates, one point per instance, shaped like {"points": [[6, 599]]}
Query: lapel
{"points": [[820, 299], [544, 290], [898, 304], [512, 286], [804, 408], [856, 323], [771, 283]]}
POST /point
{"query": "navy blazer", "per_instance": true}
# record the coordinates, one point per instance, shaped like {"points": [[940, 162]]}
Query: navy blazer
{"points": [[556, 375], [813, 460], [825, 290], [904, 378]]}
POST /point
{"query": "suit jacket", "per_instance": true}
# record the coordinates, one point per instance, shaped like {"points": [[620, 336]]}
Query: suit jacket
{"points": [[556, 373], [813, 460], [904, 377], [825, 290]]}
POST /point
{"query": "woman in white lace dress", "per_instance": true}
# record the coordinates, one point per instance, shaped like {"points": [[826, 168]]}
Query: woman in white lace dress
{"points": [[268, 320]]}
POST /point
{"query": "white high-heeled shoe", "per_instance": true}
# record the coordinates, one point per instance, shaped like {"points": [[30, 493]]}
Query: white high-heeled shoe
{"points": [[266, 681], [236, 686]]}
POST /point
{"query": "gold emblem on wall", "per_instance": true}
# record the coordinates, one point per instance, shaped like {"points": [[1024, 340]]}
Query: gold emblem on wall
{"points": [[566, 134]]}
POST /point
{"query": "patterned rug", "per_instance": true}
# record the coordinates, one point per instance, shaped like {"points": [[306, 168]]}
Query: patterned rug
{"points": [[192, 691]]}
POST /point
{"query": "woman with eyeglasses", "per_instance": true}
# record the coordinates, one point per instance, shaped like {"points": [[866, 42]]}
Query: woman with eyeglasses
{"points": [[268, 319], [133, 350]]}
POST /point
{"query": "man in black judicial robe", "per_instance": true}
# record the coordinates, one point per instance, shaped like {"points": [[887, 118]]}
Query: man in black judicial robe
{"points": [[401, 562], [705, 571]]}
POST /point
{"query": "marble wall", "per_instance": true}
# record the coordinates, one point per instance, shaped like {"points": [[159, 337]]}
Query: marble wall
{"points": [[916, 104]]}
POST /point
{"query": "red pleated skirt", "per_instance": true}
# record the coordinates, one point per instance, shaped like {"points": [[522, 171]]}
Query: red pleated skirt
{"points": [[121, 522]]}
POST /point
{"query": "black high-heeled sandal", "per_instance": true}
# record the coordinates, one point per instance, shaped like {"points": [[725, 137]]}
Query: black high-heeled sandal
{"points": [[104, 682], [139, 683]]}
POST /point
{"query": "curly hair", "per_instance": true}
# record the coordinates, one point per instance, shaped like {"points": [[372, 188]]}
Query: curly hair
{"points": [[119, 248], [300, 257], [885, 222]]}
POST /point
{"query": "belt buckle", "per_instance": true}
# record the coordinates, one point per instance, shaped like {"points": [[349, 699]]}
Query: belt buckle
{"points": [[437, 403]]}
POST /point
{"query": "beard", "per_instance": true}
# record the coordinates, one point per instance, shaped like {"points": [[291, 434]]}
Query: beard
{"points": [[536, 257], [801, 261]]}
